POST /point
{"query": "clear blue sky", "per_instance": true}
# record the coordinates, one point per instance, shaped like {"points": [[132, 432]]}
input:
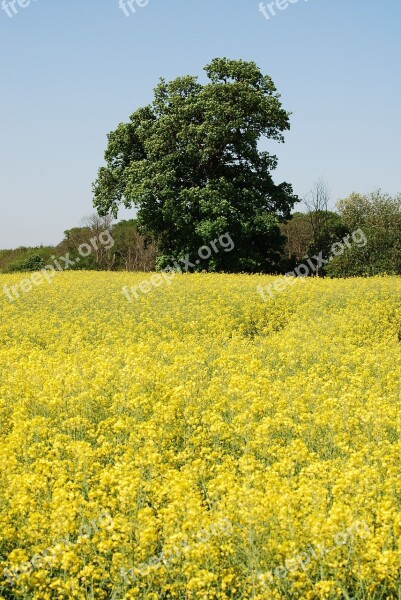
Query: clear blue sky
{"points": [[71, 70]]}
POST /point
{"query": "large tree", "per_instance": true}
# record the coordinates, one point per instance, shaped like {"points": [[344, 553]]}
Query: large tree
{"points": [[191, 164]]}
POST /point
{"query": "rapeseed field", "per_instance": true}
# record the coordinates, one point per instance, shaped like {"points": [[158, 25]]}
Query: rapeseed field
{"points": [[198, 442]]}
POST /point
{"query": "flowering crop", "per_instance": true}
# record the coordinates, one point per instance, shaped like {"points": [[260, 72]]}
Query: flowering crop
{"points": [[200, 443]]}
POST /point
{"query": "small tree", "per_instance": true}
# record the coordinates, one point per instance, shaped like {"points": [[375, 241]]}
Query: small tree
{"points": [[317, 203], [33, 262]]}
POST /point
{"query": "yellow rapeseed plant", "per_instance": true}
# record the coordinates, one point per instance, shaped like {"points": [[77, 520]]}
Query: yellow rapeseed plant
{"points": [[198, 442]]}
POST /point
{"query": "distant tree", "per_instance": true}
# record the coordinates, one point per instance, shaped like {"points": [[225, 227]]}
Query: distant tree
{"points": [[73, 239], [303, 240], [101, 257], [133, 251], [104, 257], [33, 262], [298, 234], [378, 215], [321, 220], [191, 164], [317, 203]]}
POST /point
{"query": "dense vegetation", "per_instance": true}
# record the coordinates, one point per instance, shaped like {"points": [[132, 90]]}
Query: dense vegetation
{"points": [[131, 251], [377, 215], [305, 233]]}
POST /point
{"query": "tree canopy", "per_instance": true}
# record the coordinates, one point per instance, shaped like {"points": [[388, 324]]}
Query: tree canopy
{"points": [[190, 163]]}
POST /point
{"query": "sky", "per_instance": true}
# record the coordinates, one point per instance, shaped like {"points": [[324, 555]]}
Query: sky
{"points": [[72, 70]]}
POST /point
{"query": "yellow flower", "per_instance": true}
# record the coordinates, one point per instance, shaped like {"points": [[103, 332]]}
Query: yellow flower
{"points": [[200, 443]]}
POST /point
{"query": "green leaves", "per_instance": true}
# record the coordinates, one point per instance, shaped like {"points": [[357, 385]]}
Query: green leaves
{"points": [[190, 164], [379, 216]]}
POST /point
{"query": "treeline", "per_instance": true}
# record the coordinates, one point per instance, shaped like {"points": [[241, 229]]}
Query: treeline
{"points": [[130, 251], [377, 218]]}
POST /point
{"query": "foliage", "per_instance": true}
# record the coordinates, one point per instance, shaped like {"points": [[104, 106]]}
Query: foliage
{"points": [[190, 163], [302, 240], [332, 230], [379, 216], [298, 235], [133, 251], [25, 259]]}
